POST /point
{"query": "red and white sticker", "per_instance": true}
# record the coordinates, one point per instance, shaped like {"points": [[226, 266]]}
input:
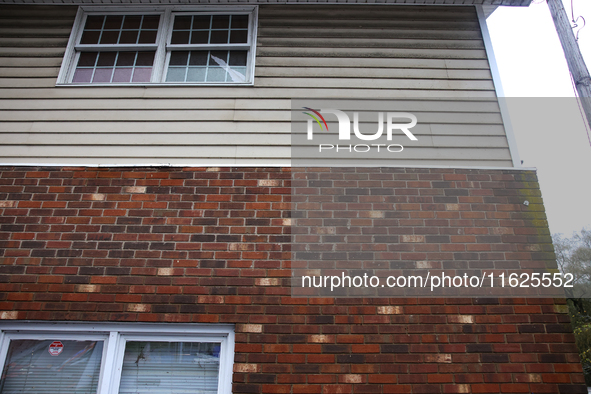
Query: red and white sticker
{"points": [[56, 348]]}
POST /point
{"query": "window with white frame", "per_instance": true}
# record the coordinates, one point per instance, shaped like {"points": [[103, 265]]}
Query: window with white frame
{"points": [[167, 45], [82, 358]]}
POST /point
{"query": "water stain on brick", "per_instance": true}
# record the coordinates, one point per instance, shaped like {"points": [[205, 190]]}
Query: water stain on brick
{"points": [[165, 271], [9, 315], [352, 378], [389, 310], [246, 368], [321, 338], [268, 182], [7, 204], [252, 328], [413, 238], [97, 197], [88, 288], [461, 319], [134, 189], [267, 282], [213, 169], [438, 358], [138, 308]]}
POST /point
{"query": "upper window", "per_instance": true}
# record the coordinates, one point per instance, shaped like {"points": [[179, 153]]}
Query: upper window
{"points": [[172, 45], [110, 358]]}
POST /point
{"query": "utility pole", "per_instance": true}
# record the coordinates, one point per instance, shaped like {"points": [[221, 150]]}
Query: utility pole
{"points": [[572, 52]]}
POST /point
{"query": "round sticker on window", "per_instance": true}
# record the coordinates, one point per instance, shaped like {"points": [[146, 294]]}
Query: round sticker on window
{"points": [[56, 348]]}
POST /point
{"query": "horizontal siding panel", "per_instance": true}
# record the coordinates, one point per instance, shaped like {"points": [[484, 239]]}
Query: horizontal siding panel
{"points": [[428, 84], [370, 52], [160, 93], [364, 63], [221, 115], [31, 62], [449, 106], [371, 33], [391, 73], [108, 127], [338, 42], [22, 72]]}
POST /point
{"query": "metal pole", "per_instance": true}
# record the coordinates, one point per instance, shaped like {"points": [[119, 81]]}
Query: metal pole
{"points": [[572, 52]]}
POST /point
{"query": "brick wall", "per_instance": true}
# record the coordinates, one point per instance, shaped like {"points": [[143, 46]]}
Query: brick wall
{"points": [[213, 245]]}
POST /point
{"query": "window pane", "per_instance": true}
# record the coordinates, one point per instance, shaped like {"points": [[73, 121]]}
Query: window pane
{"points": [[219, 37], [128, 37], [122, 75], [220, 22], [200, 37], [106, 59], [148, 36], [109, 37], [31, 369], [132, 22], [94, 22], [126, 59], [179, 58], [176, 74], [182, 22], [196, 74], [198, 58], [145, 59], [170, 368], [237, 58], [180, 37], [113, 22], [142, 74], [201, 22], [151, 22], [239, 36], [216, 74], [90, 37], [83, 75], [87, 59], [239, 21], [102, 75]]}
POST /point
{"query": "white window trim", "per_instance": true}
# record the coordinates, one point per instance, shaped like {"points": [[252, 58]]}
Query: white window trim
{"points": [[115, 336], [70, 58]]}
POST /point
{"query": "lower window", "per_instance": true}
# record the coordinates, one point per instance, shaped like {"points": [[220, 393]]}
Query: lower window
{"points": [[108, 359]]}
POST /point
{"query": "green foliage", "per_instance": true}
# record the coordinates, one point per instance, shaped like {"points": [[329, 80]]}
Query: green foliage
{"points": [[573, 255]]}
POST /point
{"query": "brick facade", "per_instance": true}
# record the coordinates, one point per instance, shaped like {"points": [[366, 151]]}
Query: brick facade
{"points": [[212, 245]]}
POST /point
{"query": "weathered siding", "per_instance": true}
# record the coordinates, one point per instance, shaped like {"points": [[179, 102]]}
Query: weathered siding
{"points": [[303, 51]]}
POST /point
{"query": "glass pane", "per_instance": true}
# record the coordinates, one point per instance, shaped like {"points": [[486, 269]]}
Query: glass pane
{"points": [[198, 58], [52, 367], [145, 59], [148, 37], [132, 22], [94, 22], [126, 59], [90, 37], [182, 22], [151, 22], [142, 74], [113, 22], [239, 21], [128, 37], [87, 59], [122, 75], [201, 22], [109, 37], [200, 37], [216, 74], [176, 74], [218, 58], [219, 37], [170, 368], [180, 37], [196, 74], [179, 58], [220, 22], [106, 59], [237, 74], [239, 36], [83, 75], [102, 75]]}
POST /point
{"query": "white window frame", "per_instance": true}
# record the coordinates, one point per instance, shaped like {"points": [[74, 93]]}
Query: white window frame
{"points": [[163, 47], [115, 337]]}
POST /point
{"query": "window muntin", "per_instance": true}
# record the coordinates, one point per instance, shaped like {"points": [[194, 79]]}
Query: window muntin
{"points": [[132, 358], [147, 47]]}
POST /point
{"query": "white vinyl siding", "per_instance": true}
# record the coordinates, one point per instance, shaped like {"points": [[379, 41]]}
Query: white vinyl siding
{"points": [[412, 54]]}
